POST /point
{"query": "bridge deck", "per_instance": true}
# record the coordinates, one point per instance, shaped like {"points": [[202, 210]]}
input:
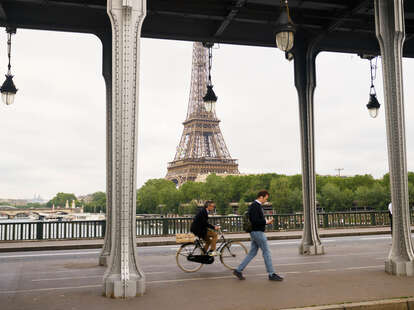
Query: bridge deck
{"points": [[352, 270], [343, 26]]}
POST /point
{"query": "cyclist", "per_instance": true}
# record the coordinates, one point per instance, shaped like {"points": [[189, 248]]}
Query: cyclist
{"points": [[204, 230]]}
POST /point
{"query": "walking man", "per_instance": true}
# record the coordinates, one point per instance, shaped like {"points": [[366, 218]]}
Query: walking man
{"points": [[258, 238]]}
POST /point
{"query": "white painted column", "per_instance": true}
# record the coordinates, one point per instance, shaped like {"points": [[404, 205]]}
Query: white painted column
{"points": [[390, 30], [123, 277]]}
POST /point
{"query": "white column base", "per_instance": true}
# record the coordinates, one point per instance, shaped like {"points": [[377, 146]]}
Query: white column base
{"points": [[399, 268], [114, 287], [305, 249]]}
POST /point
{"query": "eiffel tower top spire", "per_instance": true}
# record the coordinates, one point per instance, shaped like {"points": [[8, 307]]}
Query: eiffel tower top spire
{"points": [[202, 148]]}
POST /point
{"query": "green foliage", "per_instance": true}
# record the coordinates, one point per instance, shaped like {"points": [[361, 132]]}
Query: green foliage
{"points": [[98, 203], [188, 208], [35, 205], [217, 189], [191, 190], [229, 210], [60, 200], [376, 196], [155, 193], [160, 196], [279, 195], [242, 206], [333, 198]]}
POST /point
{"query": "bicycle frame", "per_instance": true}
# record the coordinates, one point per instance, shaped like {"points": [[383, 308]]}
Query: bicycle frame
{"points": [[199, 243]]}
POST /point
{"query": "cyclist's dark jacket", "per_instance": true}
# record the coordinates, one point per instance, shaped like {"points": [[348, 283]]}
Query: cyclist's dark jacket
{"points": [[200, 224], [257, 217]]}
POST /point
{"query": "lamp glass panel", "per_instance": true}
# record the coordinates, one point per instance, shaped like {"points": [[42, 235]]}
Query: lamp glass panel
{"points": [[284, 40], [373, 112], [8, 98], [208, 106], [213, 106]]}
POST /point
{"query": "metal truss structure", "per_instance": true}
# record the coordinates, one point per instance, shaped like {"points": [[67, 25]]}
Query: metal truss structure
{"points": [[202, 148]]}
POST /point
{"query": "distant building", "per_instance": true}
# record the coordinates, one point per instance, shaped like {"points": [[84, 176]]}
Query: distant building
{"points": [[86, 198], [36, 199]]}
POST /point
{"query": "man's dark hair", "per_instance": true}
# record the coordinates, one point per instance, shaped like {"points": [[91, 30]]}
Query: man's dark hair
{"points": [[207, 203], [262, 193]]}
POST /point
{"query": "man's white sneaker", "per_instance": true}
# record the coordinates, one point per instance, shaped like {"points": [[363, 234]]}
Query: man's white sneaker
{"points": [[213, 253]]}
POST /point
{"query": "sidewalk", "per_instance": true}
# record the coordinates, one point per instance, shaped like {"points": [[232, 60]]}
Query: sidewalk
{"points": [[40, 245]]}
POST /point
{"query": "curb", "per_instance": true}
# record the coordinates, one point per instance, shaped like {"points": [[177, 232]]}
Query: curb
{"points": [[385, 304], [98, 245]]}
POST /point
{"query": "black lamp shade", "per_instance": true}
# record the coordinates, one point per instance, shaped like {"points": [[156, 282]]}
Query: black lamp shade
{"points": [[373, 105], [8, 90], [285, 32], [210, 98]]}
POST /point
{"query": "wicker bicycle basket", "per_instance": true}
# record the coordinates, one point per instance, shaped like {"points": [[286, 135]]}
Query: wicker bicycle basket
{"points": [[184, 238]]}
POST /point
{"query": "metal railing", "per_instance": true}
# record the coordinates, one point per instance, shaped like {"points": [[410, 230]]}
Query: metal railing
{"points": [[61, 230]]}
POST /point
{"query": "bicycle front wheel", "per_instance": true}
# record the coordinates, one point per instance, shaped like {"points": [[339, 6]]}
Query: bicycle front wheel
{"points": [[182, 257], [232, 254]]}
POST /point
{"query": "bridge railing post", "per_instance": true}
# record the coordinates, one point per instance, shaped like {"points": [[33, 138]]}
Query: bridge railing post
{"points": [[103, 228], [165, 226], [39, 231], [326, 220], [373, 219]]}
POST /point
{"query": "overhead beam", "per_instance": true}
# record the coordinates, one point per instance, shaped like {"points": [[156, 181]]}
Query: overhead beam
{"points": [[342, 17], [59, 3], [239, 4]]}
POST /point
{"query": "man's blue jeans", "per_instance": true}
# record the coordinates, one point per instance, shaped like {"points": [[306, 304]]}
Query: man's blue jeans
{"points": [[259, 240]]}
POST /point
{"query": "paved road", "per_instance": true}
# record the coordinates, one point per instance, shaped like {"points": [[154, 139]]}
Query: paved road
{"points": [[352, 270]]}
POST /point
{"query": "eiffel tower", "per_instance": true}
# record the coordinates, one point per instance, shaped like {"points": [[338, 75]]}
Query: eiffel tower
{"points": [[202, 149]]}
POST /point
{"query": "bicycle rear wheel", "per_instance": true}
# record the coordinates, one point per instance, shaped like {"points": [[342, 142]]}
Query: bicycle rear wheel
{"points": [[232, 254], [182, 254]]}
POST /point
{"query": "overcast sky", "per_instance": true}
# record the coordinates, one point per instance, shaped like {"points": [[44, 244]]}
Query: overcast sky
{"points": [[53, 137]]}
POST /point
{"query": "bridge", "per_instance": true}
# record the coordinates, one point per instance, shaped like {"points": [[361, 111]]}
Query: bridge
{"points": [[12, 213], [364, 27]]}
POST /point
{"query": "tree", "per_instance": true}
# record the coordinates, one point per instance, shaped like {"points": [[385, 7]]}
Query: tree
{"points": [[192, 190], [34, 205], [411, 194], [192, 207], [60, 200], [279, 195], [169, 196], [237, 186], [376, 196], [229, 209], [97, 204], [295, 200], [332, 198], [242, 207], [216, 189], [154, 193]]}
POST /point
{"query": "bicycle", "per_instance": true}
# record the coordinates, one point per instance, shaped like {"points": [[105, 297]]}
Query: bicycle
{"points": [[191, 256]]}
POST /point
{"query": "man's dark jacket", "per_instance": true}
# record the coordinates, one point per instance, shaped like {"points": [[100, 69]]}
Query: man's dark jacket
{"points": [[200, 224], [257, 217]]}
